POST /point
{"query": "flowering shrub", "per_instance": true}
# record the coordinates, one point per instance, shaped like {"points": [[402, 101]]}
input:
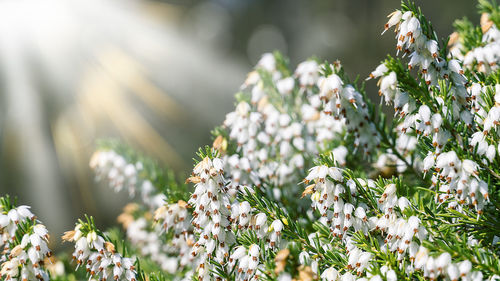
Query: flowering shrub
{"points": [[308, 179], [23, 242]]}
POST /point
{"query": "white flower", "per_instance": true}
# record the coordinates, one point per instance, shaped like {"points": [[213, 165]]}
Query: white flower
{"points": [[285, 86], [360, 213], [394, 18], [424, 113], [477, 276], [330, 87], [443, 261], [336, 174], [391, 275], [307, 73], [421, 257], [254, 250], [453, 272], [267, 62], [238, 253], [464, 268], [389, 191], [403, 203], [330, 274], [277, 226]]}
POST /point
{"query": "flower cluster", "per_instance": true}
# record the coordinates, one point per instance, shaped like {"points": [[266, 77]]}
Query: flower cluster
{"points": [[428, 211], [432, 117], [248, 262], [424, 51], [348, 104], [146, 237], [459, 179], [175, 218], [399, 231], [119, 173], [143, 233], [396, 232], [278, 126], [485, 54], [23, 242], [98, 255], [212, 207], [442, 265]]}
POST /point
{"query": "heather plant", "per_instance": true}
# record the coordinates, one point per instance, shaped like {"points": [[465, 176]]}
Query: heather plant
{"points": [[308, 179]]}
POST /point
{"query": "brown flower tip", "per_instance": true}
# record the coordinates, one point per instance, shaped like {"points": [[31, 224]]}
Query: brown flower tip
{"points": [[182, 204], [280, 260], [220, 143], [454, 37], [486, 23], [309, 190], [68, 235], [109, 247], [306, 273], [193, 180], [125, 219], [131, 208]]}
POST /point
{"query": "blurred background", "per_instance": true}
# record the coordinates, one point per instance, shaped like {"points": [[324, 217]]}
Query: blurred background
{"points": [[158, 75]]}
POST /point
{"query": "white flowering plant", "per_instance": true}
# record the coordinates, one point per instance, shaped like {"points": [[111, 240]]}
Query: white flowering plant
{"points": [[23, 241], [308, 179]]}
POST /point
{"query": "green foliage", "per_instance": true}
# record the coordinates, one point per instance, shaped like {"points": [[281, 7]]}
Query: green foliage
{"points": [[490, 7], [295, 231], [206, 152], [6, 204], [457, 245], [470, 35], [282, 63]]}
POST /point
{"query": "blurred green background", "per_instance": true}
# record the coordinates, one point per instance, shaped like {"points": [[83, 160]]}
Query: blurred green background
{"points": [[158, 75]]}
